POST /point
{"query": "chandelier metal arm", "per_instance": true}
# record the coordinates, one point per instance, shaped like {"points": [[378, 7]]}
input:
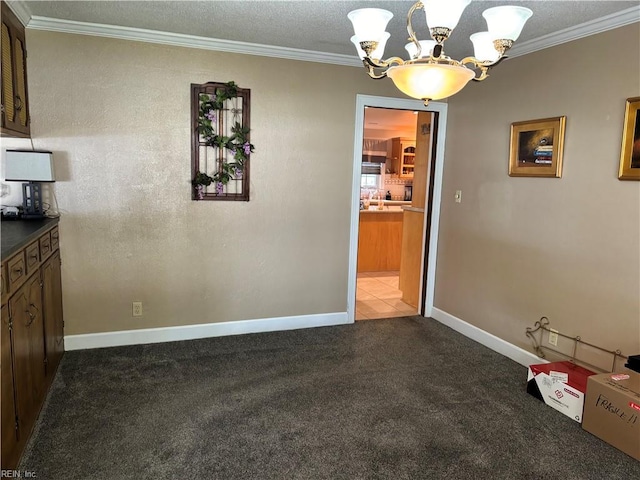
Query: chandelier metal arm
{"points": [[371, 72], [484, 67], [484, 73], [368, 61], [412, 34], [370, 65]]}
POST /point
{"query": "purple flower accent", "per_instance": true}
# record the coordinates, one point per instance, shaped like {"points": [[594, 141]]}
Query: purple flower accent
{"points": [[232, 151], [219, 188], [237, 172], [247, 148], [211, 115]]}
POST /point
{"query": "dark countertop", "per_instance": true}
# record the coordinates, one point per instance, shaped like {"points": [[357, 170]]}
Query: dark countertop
{"points": [[16, 234]]}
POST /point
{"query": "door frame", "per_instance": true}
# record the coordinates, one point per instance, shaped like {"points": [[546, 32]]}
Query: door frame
{"points": [[363, 101]]}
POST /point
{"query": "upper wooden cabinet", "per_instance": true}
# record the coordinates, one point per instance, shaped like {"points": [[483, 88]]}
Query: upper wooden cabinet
{"points": [[402, 152], [15, 100]]}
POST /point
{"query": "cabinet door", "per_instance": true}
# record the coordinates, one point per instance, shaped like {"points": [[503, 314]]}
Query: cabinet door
{"points": [[15, 109], [10, 452], [410, 259], [4, 285], [408, 160], [394, 154], [53, 321], [28, 353]]}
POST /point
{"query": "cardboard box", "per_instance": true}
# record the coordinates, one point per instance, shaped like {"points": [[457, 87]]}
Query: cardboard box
{"points": [[561, 385], [612, 410]]}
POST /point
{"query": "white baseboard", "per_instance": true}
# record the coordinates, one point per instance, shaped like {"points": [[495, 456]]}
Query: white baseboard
{"points": [[191, 332], [496, 344]]}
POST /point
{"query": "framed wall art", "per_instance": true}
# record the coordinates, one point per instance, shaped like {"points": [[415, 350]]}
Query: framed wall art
{"points": [[220, 141], [630, 155], [536, 148]]}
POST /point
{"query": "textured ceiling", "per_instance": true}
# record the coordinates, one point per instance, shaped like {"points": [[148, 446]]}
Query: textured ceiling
{"points": [[312, 25]]}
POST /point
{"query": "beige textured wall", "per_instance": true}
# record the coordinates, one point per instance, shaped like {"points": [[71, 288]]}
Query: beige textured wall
{"points": [[516, 249], [116, 114]]}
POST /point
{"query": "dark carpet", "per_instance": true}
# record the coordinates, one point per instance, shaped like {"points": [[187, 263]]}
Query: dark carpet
{"points": [[400, 399]]}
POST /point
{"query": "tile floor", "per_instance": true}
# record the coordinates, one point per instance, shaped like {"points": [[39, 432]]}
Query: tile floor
{"points": [[377, 296]]}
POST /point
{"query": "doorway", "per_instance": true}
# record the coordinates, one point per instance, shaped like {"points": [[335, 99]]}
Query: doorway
{"points": [[389, 149], [382, 288]]}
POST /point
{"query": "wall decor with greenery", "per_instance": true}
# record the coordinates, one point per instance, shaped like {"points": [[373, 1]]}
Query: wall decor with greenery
{"points": [[220, 143]]}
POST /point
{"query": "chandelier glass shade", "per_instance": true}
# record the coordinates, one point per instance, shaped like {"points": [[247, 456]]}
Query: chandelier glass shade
{"points": [[426, 46], [430, 81], [429, 74]]}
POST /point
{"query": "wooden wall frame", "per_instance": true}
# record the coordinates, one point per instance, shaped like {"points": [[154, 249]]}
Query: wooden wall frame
{"points": [[629, 168], [216, 164], [537, 147]]}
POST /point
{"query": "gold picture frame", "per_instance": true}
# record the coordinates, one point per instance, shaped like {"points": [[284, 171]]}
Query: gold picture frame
{"points": [[537, 147], [630, 152]]}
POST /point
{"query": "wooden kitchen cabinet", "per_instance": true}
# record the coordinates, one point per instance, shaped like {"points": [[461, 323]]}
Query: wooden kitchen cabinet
{"points": [[27, 343], [52, 307], [32, 336], [414, 236], [15, 100], [402, 154], [379, 241], [411, 258], [10, 453]]}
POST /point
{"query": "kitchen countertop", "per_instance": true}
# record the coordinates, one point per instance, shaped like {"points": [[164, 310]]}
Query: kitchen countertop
{"points": [[413, 209], [390, 206], [391, 202], [16, 234], [374, 209]]}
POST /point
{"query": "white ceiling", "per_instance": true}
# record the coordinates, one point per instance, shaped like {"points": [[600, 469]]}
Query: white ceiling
{"points": [[389, 119], [320, 26]]}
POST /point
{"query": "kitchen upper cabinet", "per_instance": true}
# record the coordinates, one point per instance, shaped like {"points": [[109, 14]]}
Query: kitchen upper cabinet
{"points": [[15, 101], [403, 154]]}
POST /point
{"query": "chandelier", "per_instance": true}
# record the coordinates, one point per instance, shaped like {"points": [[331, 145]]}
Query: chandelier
{"points": [[430, 74]]}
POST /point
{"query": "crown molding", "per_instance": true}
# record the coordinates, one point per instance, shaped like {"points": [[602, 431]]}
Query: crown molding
{"points": [[608, 22], [191, 41], [20, 9], [593, 27]]}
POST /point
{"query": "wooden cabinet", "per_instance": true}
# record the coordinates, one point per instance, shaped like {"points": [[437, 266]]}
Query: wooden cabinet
{"points": [[411, 257], [52, 307], [403, 154], [15, 100], [32, 339], [379, 241], [413, 233], [10, 452], [27, 336]]}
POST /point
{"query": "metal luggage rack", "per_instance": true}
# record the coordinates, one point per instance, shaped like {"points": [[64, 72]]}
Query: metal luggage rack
{"points": [[542, 326]]}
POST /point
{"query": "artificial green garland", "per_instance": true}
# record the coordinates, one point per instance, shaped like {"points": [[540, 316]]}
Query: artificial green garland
{"points": [[237, 143]]}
